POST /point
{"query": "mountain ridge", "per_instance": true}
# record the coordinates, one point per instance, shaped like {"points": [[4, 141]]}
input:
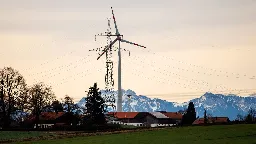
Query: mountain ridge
{"points": [[215, 104]]}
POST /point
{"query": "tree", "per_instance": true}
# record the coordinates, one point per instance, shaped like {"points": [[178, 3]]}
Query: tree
{"points": [[209, 115], [251, 116], [12, 86], [69, 104], [239, 117], [210, 118], [57, 106], [248, 118], [40, 97], [95, 107], [23, 100], [205, 117], [252, 112], [190, 116], [2, 104]]}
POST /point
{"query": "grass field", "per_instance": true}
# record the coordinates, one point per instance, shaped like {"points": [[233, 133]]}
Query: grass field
{"points": [[229, 134], [5, 135]]}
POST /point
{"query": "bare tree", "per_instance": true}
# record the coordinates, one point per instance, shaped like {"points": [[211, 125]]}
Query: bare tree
{"points": [[210, 118], [69, 103], [23, 100], [209, 115], [40, 97], [239, 117], [12, 86]]}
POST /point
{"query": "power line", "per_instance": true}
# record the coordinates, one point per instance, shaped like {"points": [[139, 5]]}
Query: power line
{"points": [[49, 61], [181, 77], [184, 85], [196, 93], [187, 70], [61, 67], [237, 75], [230, 90], [53, 74], [85, 73]]}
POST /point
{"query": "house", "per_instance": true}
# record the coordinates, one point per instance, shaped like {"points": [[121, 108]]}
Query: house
{"points": [[212, 120], [199, 121], [155, 119], [219, 120], [177, 117], [49, 119], [152, 119], [125, 118]]}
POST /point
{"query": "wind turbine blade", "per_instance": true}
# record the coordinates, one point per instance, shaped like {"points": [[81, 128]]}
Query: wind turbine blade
{"points": [[132, 43], [117, 32], [107, 47]]}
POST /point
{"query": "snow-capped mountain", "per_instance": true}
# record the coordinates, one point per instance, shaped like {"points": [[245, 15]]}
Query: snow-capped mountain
{"points": [[252, 95], [215, 104], [224, 105]]}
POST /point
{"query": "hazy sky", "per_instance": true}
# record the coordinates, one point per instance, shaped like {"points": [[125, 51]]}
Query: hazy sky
{"points": [[192, 46]]}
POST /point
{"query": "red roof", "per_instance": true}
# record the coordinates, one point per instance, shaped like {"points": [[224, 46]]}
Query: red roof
{"points": [[122, 115], [46, 116], [220, 119], [198, 121], [51, 115], [173, 115], [211, 120]]}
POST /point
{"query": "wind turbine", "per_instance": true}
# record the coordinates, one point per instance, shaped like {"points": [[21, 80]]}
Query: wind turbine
{"points": [[119, 39]]}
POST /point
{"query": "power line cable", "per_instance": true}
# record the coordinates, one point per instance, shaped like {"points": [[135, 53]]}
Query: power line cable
{"points": [[217, 90], [237, 75]]}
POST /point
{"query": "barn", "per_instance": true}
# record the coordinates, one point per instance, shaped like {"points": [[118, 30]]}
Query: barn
{"points": [[49, 119], [152, 119], [176, 116]]}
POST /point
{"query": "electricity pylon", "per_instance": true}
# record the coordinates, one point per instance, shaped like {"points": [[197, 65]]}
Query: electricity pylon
{"points": [[108, 96], [119, 39]]}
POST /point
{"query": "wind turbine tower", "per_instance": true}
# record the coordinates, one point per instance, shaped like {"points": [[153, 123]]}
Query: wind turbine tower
{"points": [[119, 38]]}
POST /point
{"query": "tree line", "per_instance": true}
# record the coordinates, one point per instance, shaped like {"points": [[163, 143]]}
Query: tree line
{"points": [[249, 118], [18, 97]]}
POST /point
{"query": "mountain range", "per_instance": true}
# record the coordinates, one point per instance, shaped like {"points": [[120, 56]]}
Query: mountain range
{"points": [[215, 104]]}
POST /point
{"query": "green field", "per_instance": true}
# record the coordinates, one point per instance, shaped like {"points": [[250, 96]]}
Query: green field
{"points": [[233, 134], [5, 135]]}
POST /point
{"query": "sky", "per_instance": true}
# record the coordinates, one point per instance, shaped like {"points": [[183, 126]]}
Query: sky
{"points": [[193, 47]]}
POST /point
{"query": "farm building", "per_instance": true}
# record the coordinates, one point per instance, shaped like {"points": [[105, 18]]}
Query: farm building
{"points": [[126, 118], [155, 119], [49, 119], [212, 120], [152, 119], [177, 117]]}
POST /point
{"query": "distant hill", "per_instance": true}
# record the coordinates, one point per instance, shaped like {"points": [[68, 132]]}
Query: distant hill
{"points": [[216, 104]]}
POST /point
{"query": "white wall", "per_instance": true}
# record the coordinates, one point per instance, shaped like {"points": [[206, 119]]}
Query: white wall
{"points": [[44, 125], [162, 125], [141, 124]]}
